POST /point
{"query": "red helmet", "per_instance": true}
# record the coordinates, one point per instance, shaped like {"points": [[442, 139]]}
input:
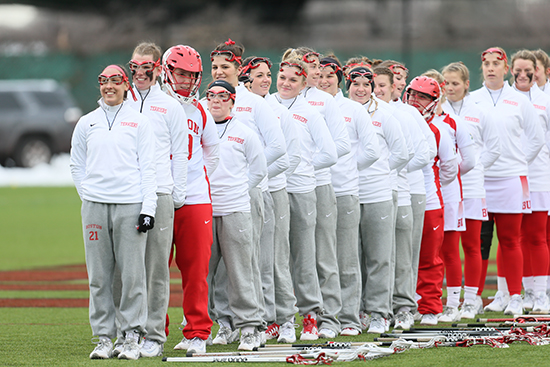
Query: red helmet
{"points": [[185, 58], [427, 86]]}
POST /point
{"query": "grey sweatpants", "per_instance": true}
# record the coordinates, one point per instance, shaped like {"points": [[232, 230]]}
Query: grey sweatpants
{"points": [[376, 228], [347, 237], [302, 252], [285, 301], [112, 240], [266, 259], [327, 260], [232, 236], [403, 291], [418, 205]]}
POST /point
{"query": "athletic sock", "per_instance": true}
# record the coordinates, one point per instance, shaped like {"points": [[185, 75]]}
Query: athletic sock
{"points": [[453, 297], [539, 283], [528, 282], [502, 285], [470, 294]]}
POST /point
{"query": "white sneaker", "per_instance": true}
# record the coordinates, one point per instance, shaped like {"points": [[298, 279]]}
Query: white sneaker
{"points": [[225, 336], [365, 320], [118, 348], [429, 319], [528, 299], [257, 338], [417, 316], [377, 324], [183, 345], [327, 333], [402, 320], [468, 311], [130, 348], [248, 341], [350, 331], [515, 306], [450, 314], [542, 304], [103, 350], [478, 306], [500, 301], [287, 333], [197, 345], [151, 348]]}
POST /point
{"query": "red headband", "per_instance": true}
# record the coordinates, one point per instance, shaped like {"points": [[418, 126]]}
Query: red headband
{"points": [[292, 64], [502, 54], [124, 77]]}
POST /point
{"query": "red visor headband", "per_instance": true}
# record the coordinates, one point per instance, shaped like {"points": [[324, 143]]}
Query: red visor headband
{"points": [[255, 62], [498, 51], [124, 78], [292, 64], [398, 66], [232, 56], [335, 67], [307, 57]]}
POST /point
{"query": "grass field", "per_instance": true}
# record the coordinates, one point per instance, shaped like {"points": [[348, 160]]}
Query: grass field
{"points": [[40, 227]]}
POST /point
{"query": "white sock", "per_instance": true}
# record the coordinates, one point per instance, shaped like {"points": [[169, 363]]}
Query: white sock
{"points": [[502, 285], [404, 309], [528, 282], [224, 322], [539, 283], [453, 297], [470, 294]]}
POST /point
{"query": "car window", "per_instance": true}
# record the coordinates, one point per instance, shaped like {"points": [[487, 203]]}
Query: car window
{"points": [[9, 103], [48, 99]]}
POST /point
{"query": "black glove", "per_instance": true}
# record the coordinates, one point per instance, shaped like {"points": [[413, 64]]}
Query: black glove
{"points": [[145, 223]]}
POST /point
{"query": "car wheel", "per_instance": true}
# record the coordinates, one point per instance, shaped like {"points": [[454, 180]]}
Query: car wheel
{"points": [[32, 151]]}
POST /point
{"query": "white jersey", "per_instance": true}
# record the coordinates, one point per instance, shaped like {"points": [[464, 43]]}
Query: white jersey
{"points": [[317, 149], [253, 111], [292, 156], [365, 149], [418, 146], [169, 123], [539, 169], [375, 184], [546, 87], [514, 115], [461, 138], [486, 139], [443, 170], [203, 136], [328, 108], [416, 177], [113, 157], [242, 166]]}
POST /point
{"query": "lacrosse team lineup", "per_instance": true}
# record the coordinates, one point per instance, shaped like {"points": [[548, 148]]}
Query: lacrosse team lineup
{"points": [[344, 197]]}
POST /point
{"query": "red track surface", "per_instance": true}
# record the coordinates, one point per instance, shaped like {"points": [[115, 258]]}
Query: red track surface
{"points": [[66, 278]]}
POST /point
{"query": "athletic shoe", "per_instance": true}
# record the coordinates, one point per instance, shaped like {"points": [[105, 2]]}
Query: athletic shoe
{"points": [[197, 345], [183, 345], [377, 324], [417, 316], [515, 306], [529, 299], [287, 333], [468, 311], [272, 331], [542, 304], [151, 348], [103, 350], [118, 348], [310, 329], [450, 314], [130, 348], [327, 334], [365, 320], [248, 341], [350, 331], [500, 301], [225, 336], [402, 320], [478, 306], [429, 319], [257, 338]]}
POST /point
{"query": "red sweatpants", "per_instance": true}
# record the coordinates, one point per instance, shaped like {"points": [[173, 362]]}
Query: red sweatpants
{"points": [[430, 267], [450, 254], [193, 245], [471, 243], [533, 244], [509, 253]]}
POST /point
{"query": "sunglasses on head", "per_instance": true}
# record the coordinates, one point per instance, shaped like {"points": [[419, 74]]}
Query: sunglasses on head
{"points": [[254, 63], [499, 52], [292, 64], [223, 96], [335, 67], [229, 56], [310, 57], [358, 74], [145, 65], [116, 79]]}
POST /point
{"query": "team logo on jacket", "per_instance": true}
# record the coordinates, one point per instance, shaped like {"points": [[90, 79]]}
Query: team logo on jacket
{"points": [[244, 109], [130, 124], [376, 123], [513, 103], [299, 118], [159, 109], [316, 103], [348, 119], [235, 139], [472, 119], [539, 107], [93, 226]]}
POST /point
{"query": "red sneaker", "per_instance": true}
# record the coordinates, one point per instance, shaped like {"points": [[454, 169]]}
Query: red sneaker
{"points": [[272, 331], [310, 329]]}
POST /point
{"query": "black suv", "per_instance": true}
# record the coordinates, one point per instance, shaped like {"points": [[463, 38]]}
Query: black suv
{"points": [[37, 119]]}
